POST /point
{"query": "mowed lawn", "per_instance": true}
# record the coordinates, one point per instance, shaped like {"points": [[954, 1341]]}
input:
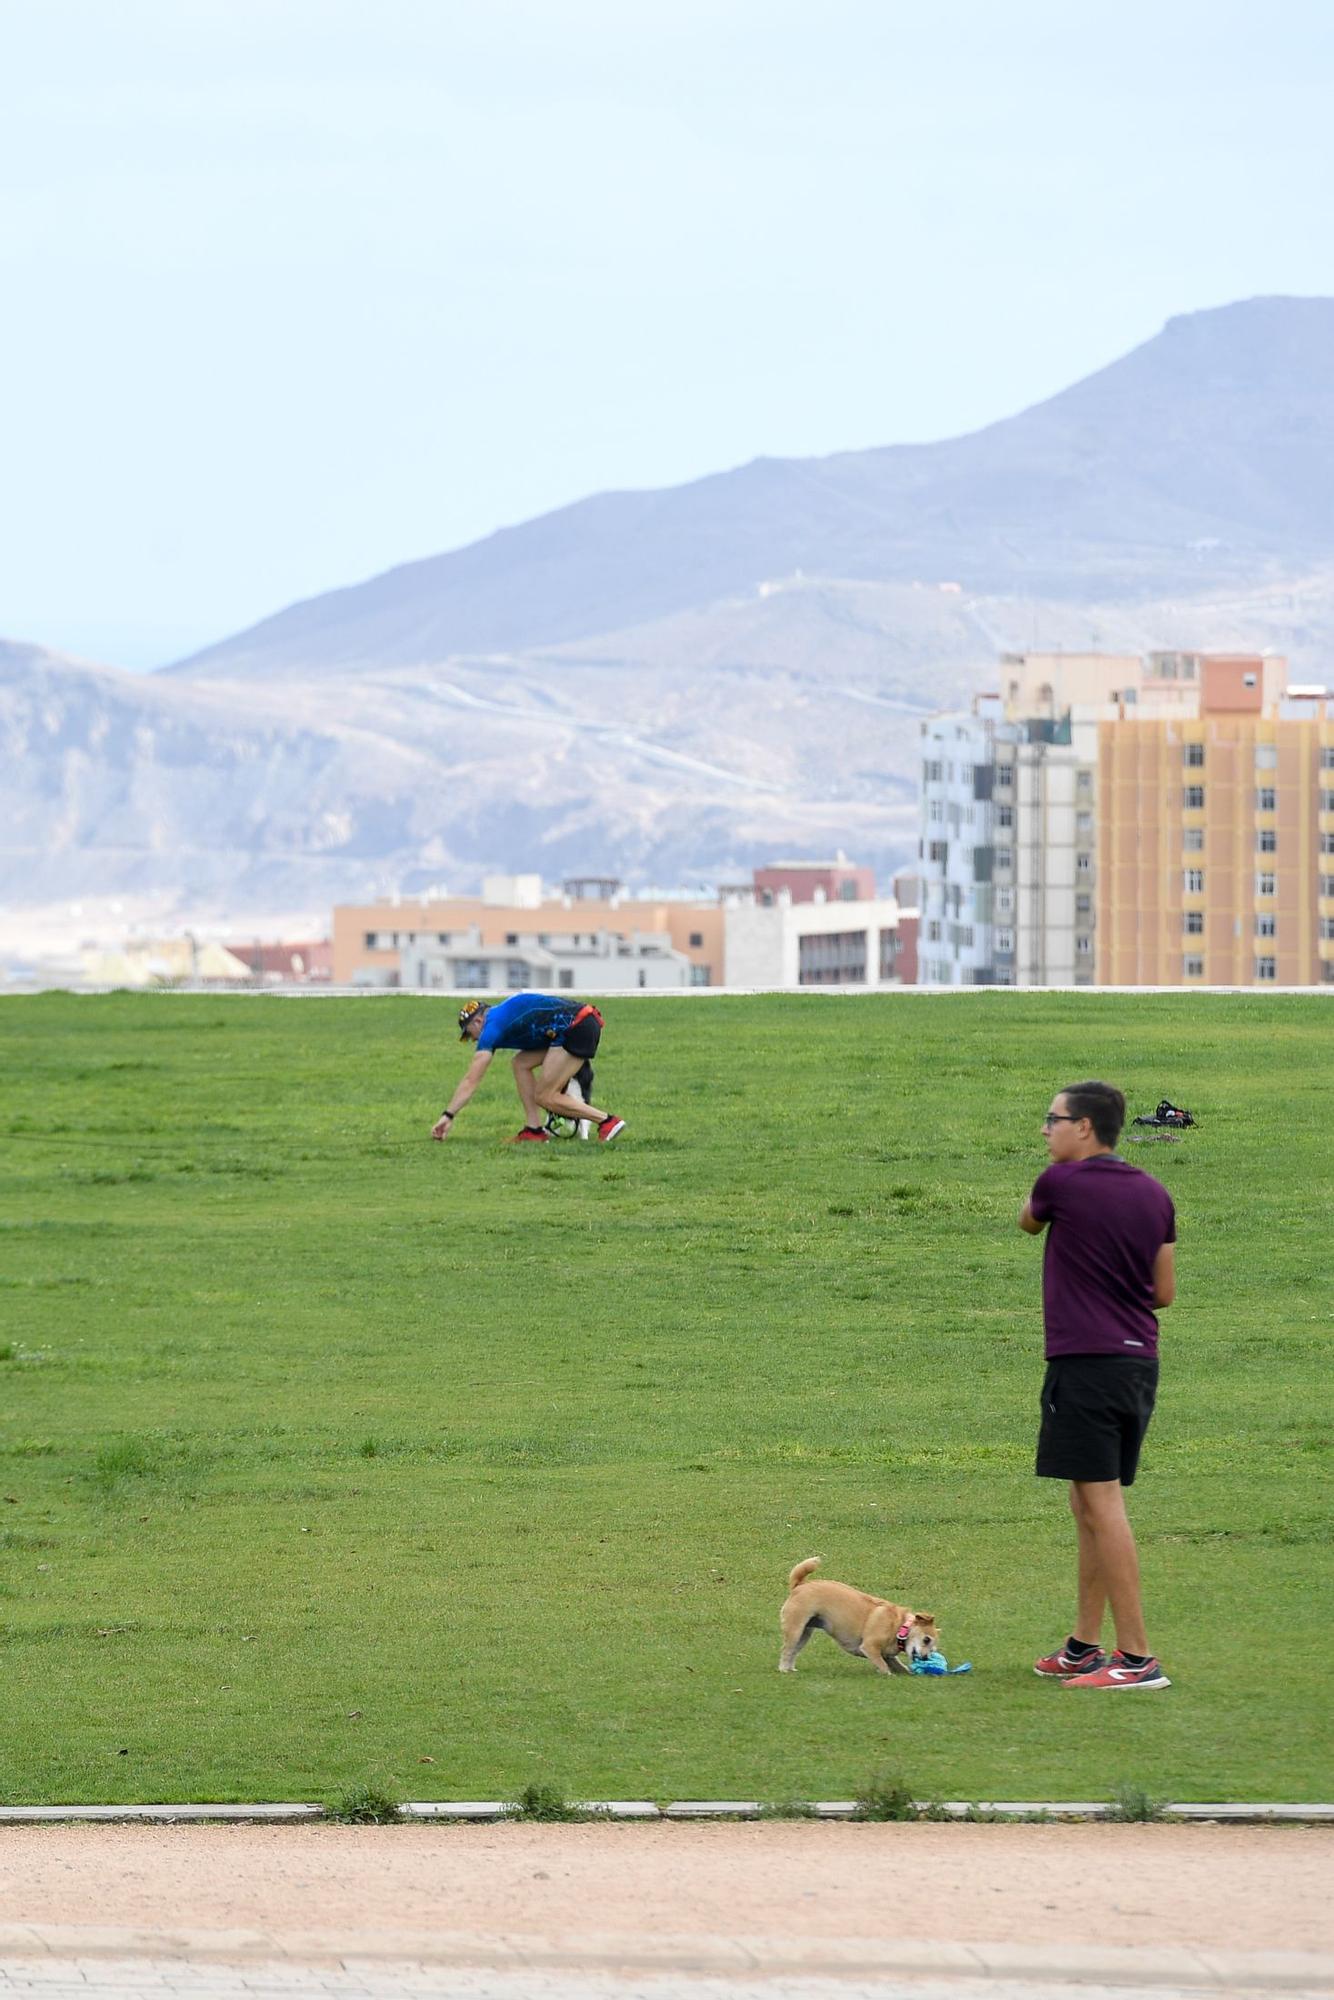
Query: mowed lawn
{"points": [[328, 1454]]}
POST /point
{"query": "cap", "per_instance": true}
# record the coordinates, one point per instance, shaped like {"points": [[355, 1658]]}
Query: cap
{"points": [[466, 1012]]}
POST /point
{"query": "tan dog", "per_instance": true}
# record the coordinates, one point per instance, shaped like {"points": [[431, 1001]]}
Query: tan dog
{"points": [[881, 1632]]}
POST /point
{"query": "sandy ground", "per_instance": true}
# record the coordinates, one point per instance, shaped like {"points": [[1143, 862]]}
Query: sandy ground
{"points": [[1233, 1888]]}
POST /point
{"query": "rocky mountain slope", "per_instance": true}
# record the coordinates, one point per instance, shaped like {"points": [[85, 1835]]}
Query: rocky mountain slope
{"points": [[673, 686]]}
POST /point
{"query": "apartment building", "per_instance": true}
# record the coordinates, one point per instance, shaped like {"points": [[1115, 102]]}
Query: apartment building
{"points": [[581, 962], [513, 919], [1217, 837], [1068, 835], [773, 941]]}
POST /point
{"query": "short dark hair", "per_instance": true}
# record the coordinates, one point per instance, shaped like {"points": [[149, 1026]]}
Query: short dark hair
{"points": [[1102, 1104]]}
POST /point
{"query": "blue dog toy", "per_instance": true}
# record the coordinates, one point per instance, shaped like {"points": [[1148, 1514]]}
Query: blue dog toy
{"points": [[936, 1664]]}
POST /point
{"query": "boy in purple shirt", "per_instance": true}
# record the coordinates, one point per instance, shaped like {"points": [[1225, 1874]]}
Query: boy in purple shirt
{"points": [[1107, 1263]]}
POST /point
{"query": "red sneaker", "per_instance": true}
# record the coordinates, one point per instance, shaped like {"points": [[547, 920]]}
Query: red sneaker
{"points": [[1119, 1674], [608, 1129], [1060, 1666], [533, 1132]]}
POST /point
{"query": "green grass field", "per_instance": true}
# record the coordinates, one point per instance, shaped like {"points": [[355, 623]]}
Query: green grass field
{"points": [[326, 1451]]}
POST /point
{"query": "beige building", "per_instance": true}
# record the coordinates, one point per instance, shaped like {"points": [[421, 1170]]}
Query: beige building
{"points": [[1216, 849], [370, 939]]}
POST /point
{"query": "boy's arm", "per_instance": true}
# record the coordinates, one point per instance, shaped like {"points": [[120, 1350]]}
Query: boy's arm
{"points": [[1165, 1275], [1028, 1222], [472, 1076]]}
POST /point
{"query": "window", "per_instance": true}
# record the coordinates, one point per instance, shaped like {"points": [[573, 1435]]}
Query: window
{"points": [[933, 931], [1327, 757], [1327, 843], [1083, 905], [1192, 922], [566, 975], [1264, 883], [1005, 901], [1327, 927], [1083, 782], [1266, 926], [1005, 857], [701, 975], [1005, 776], [832, 958], [935, 810], [1249, 680], [1193, 968], [1327, 802], [511, 937], [442, 937], [1192, 839], [939, 850], [1266, 968], [1084, 946], [1266, 756], [1266, 841], [1083, 864], [889, 954], [1327, 885], [1194, 881], [847, 891], [471, 972], [696, 940], [1005, 815], [1266, 799], [516, 973], [1192, 756], [1005, 940], [1083, 823], [1192, 798], [932, 772]]}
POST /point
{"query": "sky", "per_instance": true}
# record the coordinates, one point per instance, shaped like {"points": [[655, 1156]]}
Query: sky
{"points": [[292, 291]]}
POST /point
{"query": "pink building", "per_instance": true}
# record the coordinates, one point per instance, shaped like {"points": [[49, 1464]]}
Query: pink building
{"points": [[837, 881]]}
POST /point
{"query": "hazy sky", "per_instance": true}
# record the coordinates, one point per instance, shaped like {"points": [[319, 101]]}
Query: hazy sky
{"points": [[294, 290]]}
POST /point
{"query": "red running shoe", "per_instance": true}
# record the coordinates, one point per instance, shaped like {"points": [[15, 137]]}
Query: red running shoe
{"points": [[1060, 1666], [534, 1132], [1119, 1674], [608, 1129]]}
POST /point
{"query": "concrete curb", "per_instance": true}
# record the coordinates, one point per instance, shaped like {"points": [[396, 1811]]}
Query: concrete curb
{"points": [[1191, 1966], [1237, 1813]]}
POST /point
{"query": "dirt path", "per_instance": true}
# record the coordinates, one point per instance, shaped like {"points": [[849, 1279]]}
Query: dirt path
{"points": [[1229, 1888]]}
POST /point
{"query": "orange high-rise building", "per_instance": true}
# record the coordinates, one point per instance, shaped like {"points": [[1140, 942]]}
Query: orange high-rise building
{"points": [[1216, 836]]}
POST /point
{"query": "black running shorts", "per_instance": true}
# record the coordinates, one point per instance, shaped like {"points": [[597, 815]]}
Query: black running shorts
{"points": [[584, 1033], [1095, 1411]]}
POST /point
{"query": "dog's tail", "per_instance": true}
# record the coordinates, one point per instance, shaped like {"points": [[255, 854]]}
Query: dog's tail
{"points": [[803, 1570]]}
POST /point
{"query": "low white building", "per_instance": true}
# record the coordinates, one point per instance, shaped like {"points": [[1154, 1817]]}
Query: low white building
{"points": [[789, 944], [583, 962]]}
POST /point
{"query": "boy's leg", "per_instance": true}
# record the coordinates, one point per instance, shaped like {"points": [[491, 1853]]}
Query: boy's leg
{"points": [[526, 1065], [1092, 1589], [1116, 1559], [558, 1066]]}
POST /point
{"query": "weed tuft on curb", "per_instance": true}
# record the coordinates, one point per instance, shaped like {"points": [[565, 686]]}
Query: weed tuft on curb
{"points": [[365, 1805], [886, 1795], [1133, 1806], [548, 1804]]}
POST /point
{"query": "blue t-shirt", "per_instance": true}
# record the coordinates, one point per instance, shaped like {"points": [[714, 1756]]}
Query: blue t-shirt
{"points": [[527, 1021]]}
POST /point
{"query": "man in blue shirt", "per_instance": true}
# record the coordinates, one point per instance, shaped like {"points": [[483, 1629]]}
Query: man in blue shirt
{"points": [[552, 1039]]}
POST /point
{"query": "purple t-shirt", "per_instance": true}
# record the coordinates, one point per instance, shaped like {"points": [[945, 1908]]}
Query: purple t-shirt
{"points": [[1107, 1221]]}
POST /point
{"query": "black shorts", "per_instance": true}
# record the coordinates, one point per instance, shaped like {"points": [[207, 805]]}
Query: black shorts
{"points": [[582, 1036], [1095, 1411]]}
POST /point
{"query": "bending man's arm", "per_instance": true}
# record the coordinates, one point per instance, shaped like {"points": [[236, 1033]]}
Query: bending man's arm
{"points": [[1165, 1275], [472, 1076]]}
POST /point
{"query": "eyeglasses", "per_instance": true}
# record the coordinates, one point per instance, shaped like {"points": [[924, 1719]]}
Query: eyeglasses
{"points": [[1060, 1118]]}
